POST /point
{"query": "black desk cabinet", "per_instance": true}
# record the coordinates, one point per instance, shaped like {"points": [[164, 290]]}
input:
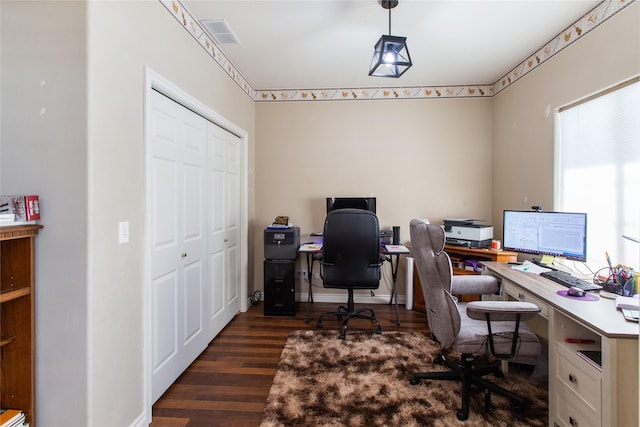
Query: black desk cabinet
{"points": [[280, 287]]}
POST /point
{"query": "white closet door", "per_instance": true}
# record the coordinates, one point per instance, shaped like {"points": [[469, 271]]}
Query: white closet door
{"points": [[224, 226], [179, 273]]}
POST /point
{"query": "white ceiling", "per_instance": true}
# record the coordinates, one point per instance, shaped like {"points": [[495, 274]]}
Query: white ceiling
{"points": [[316, 44]]}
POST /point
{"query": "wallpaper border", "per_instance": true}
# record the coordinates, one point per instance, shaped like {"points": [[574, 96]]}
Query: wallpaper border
{"points": [[574, 32]]}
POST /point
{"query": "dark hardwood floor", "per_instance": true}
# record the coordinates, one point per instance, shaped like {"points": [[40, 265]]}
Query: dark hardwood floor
{"points": [[229, 382]]}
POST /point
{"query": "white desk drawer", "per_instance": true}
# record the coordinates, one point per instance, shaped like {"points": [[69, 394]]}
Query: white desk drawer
{"points": [[521, 295], [571, 413], [575, 375]]}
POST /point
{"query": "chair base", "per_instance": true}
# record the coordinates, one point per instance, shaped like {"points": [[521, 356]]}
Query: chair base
{"points": [[468, 375], [350, 312]]}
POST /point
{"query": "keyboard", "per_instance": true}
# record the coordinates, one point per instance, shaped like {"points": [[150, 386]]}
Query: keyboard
{"points": [[568, 281]]}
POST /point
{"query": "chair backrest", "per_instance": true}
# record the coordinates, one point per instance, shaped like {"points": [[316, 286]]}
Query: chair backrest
{"points": [[434, 269], [351, 250]]}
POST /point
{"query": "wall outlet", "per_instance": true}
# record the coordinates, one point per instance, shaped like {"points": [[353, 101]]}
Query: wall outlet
{"points": [[123, 232]]}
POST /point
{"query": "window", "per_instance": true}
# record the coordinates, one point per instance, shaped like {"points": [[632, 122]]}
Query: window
{"points": [[598, 171]]}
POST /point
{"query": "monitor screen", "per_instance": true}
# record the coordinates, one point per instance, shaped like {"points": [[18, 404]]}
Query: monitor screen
{"points": [[366, 203], [561, 234]]}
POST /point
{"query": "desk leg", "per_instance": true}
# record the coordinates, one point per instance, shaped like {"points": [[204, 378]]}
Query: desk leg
{"points": [[394, 277], [309, 279]]}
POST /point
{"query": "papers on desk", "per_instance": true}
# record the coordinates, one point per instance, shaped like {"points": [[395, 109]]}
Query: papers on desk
{"points": [[530, 267], [397, 248], [310, 247], [630, 307], [630, 303]]}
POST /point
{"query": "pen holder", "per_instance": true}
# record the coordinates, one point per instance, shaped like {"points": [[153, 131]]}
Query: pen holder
{"points": [[618, 284]]}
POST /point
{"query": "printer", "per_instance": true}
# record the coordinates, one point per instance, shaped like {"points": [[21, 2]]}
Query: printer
{"points": [[471, 233], [281, 242]]}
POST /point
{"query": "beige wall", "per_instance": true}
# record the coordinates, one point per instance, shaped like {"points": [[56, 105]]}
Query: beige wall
{"points": [[420, 158], [44, 151], [523, 114], [85, 157]]}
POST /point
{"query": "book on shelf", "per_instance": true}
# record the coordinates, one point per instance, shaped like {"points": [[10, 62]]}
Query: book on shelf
{"points": [[11, 417], [25, 209], [7, 217]]}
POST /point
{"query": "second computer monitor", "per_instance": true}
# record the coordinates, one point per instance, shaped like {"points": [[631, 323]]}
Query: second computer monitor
{"points": [[366, 203]]}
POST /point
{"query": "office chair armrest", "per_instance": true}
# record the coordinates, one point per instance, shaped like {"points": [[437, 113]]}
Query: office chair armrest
{"points": [[502, 310], [474, 285]]}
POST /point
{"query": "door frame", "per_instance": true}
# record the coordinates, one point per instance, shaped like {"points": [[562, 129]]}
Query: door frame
{"points": [[154, 81]]}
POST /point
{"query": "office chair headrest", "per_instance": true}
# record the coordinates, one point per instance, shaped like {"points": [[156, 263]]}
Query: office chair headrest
{"points": [[435, 233]]}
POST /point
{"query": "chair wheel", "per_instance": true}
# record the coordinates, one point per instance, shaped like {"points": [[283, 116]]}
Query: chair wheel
{"points": [[518, 407], [414, 381], [343, 332], [461, 415]]}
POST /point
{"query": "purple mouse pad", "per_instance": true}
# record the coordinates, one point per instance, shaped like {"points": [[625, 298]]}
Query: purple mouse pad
{"points": [[586, 297]]}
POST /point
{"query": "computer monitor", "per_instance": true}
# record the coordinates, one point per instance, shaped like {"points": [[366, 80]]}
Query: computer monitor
{"points": [[562, 234], [366, 203]]}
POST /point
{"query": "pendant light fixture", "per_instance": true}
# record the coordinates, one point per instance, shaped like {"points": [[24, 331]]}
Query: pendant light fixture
{"points": [[391, 56]]}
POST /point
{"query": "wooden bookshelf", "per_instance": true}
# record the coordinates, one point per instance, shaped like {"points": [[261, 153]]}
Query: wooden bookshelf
{"points": [[17, 319]]}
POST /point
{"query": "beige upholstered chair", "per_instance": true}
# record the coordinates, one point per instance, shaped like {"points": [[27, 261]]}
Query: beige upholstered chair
{"points": [[471, 329]]}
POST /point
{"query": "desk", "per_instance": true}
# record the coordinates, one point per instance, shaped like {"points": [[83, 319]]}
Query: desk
{"points": [[311, 251], [580, 394], [390, 252]]}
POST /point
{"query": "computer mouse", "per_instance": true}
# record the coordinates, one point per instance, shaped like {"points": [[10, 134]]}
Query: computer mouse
{"points": [[575, 292]]}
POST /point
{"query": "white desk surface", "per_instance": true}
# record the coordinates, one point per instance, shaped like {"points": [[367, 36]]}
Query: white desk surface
{"points": [[601, 315]]}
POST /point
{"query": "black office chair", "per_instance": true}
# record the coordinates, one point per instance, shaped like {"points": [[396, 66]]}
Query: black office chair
{"points": [[351, 260], [484, 328]]}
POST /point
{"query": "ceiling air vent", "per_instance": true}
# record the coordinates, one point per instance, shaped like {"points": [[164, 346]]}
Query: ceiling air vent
{"points": [[220, 30]]}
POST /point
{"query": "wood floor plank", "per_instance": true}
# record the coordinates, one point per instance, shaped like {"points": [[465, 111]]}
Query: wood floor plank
{"points": [[229, 382]]}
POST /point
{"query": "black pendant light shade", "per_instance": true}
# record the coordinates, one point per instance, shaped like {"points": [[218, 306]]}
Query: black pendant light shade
{"points": [[391, 56]]}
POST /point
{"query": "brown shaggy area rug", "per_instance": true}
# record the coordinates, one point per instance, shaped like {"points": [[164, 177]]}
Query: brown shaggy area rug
{"points": [[364, 381]]}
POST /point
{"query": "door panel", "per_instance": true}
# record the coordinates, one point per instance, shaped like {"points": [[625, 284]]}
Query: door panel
{"points": [[217, 277], [224, 226], [177, 158], [192, 311], [164, 298]]}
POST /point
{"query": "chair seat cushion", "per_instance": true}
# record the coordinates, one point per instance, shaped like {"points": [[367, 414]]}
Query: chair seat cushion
{"points": [[472, 338]]}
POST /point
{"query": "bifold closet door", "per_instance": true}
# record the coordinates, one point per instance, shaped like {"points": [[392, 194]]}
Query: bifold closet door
{"points": [[224, 226], [178, 215]]}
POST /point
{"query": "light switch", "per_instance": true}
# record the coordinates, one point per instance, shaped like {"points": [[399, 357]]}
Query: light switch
{"points": [[123, 232]]}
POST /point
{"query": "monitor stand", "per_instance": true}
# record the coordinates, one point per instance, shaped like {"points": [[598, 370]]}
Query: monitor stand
{"points": [[538, 261]]}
